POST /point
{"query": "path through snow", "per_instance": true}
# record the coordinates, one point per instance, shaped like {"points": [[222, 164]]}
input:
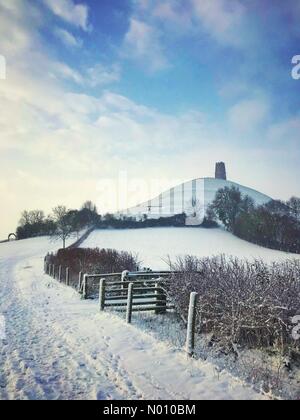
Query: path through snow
{"points": [[59, 347]]}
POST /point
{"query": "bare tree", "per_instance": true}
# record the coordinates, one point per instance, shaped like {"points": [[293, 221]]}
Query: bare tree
{"points": [[89, 205], [64, 227], [25, 218], [31, 217]]}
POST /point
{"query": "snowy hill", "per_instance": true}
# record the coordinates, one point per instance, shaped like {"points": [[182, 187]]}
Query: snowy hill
{"points": [[191, 198], [154, 244]]}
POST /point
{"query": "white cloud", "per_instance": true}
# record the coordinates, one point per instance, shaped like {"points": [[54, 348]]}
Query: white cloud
{"points": [[19, 22], [97, 76], [75, 14], [100, 75], [142, 43], [68, 39], [248, 115], [220, 18], [62, 70], [174, 11], [285, 132]]}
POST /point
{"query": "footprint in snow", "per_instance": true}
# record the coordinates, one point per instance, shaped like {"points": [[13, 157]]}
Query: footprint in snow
{"points": [[102, 396]]}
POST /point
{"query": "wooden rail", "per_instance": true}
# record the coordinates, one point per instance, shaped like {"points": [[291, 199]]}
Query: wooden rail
{"points": [[136, 298], [133, 274]]}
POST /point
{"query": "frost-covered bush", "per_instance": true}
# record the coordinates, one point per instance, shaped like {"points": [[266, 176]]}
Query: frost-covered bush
{"points": [[240, 302], [93, 261]]}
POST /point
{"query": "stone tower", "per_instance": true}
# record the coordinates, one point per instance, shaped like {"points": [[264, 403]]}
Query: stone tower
{"points": [[220, 171]]}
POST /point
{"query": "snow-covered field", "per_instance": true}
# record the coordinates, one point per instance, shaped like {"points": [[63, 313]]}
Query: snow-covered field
{"points": [[59, 347], [154, 245]]}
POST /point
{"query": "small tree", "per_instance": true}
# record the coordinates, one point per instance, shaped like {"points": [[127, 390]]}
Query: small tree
{"points": [[64, 226], [227, 205], [75, 220]]}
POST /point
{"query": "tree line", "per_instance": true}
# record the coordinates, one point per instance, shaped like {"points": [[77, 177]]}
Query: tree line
{"points": [[275, 224], [62, 223]]}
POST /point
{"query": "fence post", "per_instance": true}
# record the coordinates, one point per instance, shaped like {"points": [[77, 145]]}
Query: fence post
{"points": [[190, 338], [102, 294], [59, 273], [79, 281], [84, 289], [129, 303], [160, 296], [123, 277], [53, 271], [67, 276]]}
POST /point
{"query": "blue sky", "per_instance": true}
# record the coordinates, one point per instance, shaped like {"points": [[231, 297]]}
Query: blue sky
{"points": [[154, 89]]}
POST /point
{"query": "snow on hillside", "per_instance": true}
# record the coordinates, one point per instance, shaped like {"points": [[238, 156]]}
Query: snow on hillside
{"points": [[153, 245], [60, 347], [179, 200]]}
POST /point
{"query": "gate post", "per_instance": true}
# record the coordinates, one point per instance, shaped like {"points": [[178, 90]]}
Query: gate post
{"points": [[102, 294], [84, 287], [129, 303], [190, 338], [124, 277], [67, 276], [79, 281], [59, 273], [160, 296]]}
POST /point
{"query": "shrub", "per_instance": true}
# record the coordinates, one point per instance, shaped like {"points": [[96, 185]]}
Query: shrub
{"points": [[94, 261], [240, 302], [270, 229], [274, 225], [31, 230]]}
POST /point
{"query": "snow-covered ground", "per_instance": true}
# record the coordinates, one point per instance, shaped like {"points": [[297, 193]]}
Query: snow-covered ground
{"points": [[154, 245], [60, 347]]}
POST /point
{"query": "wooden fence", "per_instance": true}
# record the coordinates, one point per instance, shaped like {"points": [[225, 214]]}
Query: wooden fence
{"points": [[129, 292]]}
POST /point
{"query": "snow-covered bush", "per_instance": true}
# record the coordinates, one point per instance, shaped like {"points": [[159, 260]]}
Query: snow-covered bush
{"points": [[240, 302], [93, 261]]}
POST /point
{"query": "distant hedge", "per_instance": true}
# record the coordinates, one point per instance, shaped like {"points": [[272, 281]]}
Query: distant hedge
{"points": [[110, 221], [274, 225], [96, 260]]}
